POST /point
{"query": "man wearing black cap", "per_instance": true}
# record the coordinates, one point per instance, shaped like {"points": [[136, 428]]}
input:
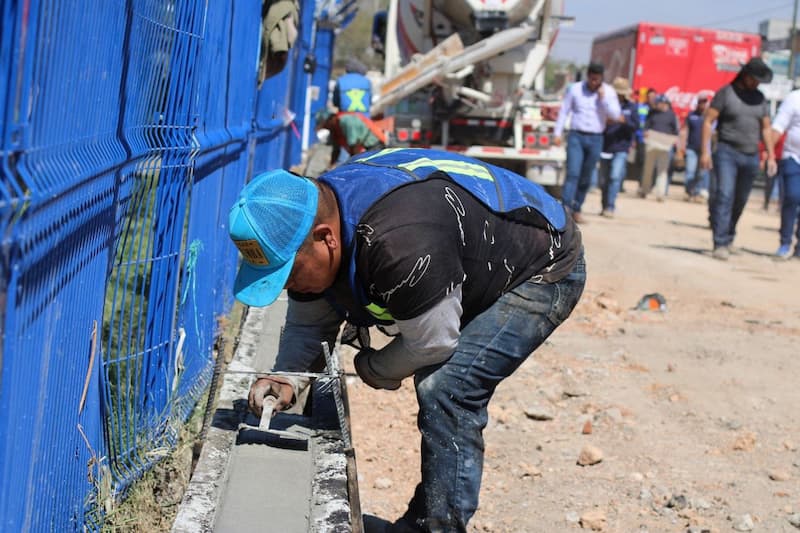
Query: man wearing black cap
{"points": [[742, 116]]}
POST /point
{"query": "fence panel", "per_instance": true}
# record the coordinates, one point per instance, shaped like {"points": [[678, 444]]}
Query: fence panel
{"points": [[60, 152], [128, 128]]}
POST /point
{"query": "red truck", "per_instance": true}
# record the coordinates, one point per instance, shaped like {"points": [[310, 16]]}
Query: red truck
{"points": [[679, 61]]}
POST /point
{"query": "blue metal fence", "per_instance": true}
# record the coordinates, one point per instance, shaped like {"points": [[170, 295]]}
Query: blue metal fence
{"points": [[128, 128]]}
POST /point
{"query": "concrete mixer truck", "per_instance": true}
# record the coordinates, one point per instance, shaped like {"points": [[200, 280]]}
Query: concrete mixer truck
{"points": [[468, 76]]}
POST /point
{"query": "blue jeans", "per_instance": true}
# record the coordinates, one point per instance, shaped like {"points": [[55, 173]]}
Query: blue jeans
{"points": [[696, 179], [453, 397], [583, 152], [790, 206], [613, 171], [731, 182]]}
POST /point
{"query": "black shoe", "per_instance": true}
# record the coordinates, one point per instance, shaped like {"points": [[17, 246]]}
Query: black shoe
{"points": [[373, 524]]}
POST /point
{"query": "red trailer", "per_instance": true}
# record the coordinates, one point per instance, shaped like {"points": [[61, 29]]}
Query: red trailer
{"points": [[679, 61]]}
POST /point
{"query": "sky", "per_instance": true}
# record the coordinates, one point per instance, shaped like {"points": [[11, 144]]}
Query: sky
{"points": [[596, 17]]}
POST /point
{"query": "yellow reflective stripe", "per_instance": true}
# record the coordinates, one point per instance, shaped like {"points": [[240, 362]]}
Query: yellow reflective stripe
{"points": [[447, 165], [380, 153], [356, 99], [379, 312]]}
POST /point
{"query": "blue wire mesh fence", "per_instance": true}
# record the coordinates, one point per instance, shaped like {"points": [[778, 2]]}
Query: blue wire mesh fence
{"points": [[128, 128]]}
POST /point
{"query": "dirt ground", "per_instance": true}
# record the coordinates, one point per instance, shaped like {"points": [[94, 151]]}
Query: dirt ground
{"points": [[695, 410]]}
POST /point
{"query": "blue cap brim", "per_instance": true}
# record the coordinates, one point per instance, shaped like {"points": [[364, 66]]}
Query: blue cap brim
{"points": [[254, 288]]}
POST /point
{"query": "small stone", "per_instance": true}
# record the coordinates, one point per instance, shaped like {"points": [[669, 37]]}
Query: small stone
{"points": [[528, 470], [537, 412], [745, 442], [795, 520], [677, 502], [744, 523], [594, 520], [733, 425], [572, 517], [637, 476], [615, 415], [587, 428], [604, 302], [590, 455], [779, 475], [700, 503], [789, 445], [645, 495], [670, 367], [572, 389], [382, 483]]}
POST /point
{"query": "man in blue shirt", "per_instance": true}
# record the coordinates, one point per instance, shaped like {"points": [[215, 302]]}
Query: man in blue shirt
{"points": [[617, 140], [590, 104], [353, 91], [696, 182]]}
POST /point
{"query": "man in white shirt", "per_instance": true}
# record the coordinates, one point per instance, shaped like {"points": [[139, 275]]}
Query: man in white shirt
{"points": [[591, 104], [788, 121]]}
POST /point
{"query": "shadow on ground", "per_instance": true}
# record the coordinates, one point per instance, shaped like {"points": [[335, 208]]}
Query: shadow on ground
{"points": [[699, 251], [690, 225]]}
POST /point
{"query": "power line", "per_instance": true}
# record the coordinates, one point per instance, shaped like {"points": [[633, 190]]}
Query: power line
{"points": [[747, 15]]}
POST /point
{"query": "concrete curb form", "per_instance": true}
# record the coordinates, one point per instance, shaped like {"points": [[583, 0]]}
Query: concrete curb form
{"points": [[241, 485], [203, 494]]}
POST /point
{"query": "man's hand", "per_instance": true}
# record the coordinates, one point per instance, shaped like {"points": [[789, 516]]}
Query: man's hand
{"points": [[557, 140], [369, 376], [705, 161], [772, 167], [275, 386]]}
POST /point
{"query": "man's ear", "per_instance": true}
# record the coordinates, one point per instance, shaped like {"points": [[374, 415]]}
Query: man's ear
{"points": [[325, 232]]}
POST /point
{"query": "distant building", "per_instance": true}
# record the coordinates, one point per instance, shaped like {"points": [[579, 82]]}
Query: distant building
{"points": [[775, 32], [776, 43]]}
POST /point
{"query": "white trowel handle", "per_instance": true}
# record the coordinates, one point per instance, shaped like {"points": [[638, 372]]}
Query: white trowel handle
{"points": [[266, 412]]}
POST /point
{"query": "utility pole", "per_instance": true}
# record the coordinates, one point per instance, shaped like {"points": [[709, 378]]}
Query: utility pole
{"points": [[792, 35]]}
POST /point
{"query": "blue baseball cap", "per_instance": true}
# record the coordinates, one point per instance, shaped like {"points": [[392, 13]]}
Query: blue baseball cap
{"points": [[268, 224]]}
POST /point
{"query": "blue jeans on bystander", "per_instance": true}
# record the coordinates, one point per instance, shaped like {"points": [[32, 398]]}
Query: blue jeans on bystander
{"points": [[453, 397], [613, 171], [583, 152], [696, 178], [790, 206], [731, 182]]}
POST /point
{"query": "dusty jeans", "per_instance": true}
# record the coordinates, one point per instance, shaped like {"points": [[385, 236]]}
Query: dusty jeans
{"points": [[731, 181], [453, 396]]}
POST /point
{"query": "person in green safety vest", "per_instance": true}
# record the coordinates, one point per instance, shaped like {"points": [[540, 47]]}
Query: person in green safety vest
{"points": [[353, 132]]}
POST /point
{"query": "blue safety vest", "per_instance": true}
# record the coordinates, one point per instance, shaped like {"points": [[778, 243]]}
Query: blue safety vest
{"points": [[354, 93], [366, 178]]}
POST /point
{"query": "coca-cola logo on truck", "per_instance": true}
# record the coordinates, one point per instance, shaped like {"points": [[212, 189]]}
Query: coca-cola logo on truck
{"points": [[684, 100], [728, 58]]}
